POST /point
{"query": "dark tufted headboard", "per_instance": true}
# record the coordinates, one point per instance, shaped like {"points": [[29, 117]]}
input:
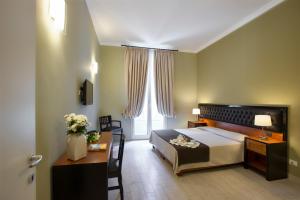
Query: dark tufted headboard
{"points": [[244, 115]]}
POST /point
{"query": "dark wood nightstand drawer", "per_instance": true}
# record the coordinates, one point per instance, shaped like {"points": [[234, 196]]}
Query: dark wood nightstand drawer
{"points": [[192, 124], [256, 146]]}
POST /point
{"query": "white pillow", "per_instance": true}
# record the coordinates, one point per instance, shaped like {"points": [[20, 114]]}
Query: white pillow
{"points": [[224, 133]]}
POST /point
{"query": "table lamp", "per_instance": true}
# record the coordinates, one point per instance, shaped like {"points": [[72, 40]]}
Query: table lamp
{"points": [[196, 111], [263, 121]]}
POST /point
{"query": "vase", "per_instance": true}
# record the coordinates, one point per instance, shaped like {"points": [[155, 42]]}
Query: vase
{"points": [[76, 146]]}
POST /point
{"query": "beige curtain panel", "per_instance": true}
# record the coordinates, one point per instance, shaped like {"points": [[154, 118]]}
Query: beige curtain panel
{"points": [[136, 67], [164, 81]]}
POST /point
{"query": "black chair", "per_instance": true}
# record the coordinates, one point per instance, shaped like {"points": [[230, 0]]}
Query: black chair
{"points": [[115, 167], [107, 124]]}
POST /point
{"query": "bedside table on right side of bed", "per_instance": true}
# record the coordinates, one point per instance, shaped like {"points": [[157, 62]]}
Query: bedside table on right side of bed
{"points": [[269, 157], [193, 124]]}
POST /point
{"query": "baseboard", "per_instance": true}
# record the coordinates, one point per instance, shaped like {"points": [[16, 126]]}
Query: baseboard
{"points": [[294, 178]]}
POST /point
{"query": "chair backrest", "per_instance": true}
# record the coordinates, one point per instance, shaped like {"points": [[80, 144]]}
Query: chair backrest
{"points": [[121, 150], [105, 121], [91, 131]]}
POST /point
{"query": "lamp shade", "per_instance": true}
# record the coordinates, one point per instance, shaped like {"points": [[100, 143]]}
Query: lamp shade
{"points": [[196, 111], [262, 120]]}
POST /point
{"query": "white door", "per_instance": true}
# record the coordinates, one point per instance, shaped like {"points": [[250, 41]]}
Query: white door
{"points": [[17, 99]]}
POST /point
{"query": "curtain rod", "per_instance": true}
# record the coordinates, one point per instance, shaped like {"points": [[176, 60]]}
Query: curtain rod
{"points": [[124, 45]]}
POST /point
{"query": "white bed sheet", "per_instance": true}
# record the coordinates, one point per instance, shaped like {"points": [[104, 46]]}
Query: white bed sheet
{"points": [[224, 148]]}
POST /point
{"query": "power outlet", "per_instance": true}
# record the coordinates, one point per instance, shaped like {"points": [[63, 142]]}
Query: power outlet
{"points": [[293, 163]]}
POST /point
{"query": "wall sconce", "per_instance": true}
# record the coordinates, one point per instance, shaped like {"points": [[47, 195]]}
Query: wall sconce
{"points": [[94, 67], [57, 12]]}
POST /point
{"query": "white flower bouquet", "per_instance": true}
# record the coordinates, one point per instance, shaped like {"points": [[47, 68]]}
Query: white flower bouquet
{"points": [[76, 124]]}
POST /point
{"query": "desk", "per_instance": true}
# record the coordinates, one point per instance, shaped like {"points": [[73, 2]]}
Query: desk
{"points": [[85, 178]]}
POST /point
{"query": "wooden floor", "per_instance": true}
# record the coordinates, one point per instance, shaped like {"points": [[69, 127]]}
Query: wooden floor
{"points": [[146, 176]]}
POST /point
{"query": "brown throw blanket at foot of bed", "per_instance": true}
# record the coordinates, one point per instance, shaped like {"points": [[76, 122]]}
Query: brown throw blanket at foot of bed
{"points": [[185, 154]]}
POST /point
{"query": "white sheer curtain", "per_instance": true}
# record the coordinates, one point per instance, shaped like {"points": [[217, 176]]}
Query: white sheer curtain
{"points": [[136, 67], [164, 81]]}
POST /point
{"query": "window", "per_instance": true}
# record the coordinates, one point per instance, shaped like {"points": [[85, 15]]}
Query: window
{"points": [[149, 119]]}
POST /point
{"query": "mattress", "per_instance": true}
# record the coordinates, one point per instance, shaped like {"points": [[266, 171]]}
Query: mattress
{"points": [[225, 147]]}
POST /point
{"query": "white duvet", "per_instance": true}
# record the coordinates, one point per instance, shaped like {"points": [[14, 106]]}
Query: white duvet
{"points": [[225, 147]]}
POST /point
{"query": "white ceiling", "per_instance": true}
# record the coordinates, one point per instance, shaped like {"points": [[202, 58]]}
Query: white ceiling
{"points": [[186, 25]]}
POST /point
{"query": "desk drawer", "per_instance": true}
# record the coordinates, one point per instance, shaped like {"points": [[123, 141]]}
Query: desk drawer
{"points": [[257, 147]]}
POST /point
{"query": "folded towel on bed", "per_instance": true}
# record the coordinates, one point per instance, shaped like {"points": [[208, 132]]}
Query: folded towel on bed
{"points": [[185, 142]]}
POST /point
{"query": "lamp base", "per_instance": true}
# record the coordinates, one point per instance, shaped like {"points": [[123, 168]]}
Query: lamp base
{"points": [[263, 137], [265, 134]]}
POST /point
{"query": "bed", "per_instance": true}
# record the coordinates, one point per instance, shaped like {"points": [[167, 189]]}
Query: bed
{"points": [[225, 147], [224, 136]]}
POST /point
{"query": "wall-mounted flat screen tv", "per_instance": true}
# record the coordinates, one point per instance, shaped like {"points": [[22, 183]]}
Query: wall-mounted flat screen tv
{"points": [[87, 93]]}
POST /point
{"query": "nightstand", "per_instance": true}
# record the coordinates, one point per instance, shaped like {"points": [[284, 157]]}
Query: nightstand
{"points": [[268, 157], [192, 124]]}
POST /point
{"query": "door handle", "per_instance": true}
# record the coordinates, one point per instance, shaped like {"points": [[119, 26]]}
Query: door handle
{"points": [[35, 160]]}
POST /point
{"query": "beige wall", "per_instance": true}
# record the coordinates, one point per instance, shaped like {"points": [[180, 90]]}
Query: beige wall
{"points": [[63, 62], [112, 86], [185, 89], [258, 64], [111, 80]]}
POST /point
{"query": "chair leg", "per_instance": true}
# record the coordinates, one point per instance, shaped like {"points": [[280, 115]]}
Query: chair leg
{"points": [[121, 187]]}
